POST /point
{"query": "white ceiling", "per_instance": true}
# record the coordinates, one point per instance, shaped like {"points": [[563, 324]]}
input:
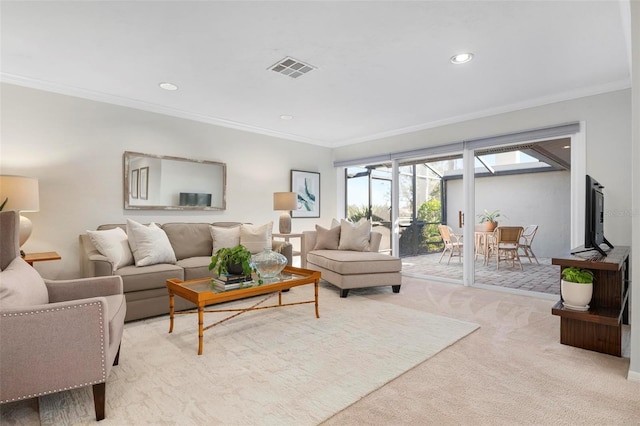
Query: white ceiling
{"points": [[382, 67]]}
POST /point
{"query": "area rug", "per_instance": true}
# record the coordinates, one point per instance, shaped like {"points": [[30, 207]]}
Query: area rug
{"points": [[270, 367]]}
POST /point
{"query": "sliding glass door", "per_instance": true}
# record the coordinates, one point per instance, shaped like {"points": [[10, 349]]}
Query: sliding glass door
{"points": [[528, 177], [422, 208], [368, 195]]}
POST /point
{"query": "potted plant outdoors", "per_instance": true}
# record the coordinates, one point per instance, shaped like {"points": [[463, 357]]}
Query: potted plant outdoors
{"points": [[232, 260], [576, 288], [489, 219]]}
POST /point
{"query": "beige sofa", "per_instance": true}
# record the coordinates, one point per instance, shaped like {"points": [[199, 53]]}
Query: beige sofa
{"points": [[347, 269], [145, 286]]}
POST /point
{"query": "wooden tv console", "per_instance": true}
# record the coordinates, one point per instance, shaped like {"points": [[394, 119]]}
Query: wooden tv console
{"points": [[600, 328]]}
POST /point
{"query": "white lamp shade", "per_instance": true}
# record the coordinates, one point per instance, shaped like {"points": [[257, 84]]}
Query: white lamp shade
{"points": [[21, 193], [285, 201]]}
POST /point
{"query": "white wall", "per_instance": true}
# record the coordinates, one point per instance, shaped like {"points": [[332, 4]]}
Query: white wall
{"points": [[541, 199], [75, 148]]}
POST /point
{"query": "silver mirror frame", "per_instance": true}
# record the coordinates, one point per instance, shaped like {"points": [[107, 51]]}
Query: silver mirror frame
{"points": [[219, 188]]}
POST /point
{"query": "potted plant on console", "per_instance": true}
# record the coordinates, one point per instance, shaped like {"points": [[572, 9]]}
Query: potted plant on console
{"points": [[576, 288], [489, 219]]}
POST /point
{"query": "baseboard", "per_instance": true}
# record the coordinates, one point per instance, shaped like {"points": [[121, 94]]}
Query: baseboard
{"points": [[633, 376]]}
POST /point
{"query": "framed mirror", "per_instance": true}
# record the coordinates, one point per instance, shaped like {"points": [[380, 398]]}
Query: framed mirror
{"points": [[157, 182]]}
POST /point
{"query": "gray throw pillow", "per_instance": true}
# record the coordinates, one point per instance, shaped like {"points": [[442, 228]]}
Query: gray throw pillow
{"points": [[21, 285], [327, 239]]}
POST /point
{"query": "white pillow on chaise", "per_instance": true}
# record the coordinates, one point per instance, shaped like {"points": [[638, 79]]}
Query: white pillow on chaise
{"points": [[355, 236]]}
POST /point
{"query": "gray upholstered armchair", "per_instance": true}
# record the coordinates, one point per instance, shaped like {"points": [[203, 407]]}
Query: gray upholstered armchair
{"points": [[54, 335]]}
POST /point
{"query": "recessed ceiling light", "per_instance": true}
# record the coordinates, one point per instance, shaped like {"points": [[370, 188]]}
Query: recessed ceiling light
{"points": [[461, 58], [168, 86], [566, 147], [286, 117]]}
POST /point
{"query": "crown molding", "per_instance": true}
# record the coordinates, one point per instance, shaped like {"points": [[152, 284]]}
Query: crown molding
{"points": [[146, 106], [159, 109], [532, 103]]}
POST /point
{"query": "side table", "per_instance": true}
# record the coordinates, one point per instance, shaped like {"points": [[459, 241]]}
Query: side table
{"points": [[287, 237], [40, 257]]}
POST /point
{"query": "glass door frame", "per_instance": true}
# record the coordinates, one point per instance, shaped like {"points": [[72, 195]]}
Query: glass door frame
{"points": [[578, 171]]}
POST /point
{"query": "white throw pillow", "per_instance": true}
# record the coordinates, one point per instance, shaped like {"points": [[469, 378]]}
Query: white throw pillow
{"points": [[355, 236], [256, 237], [114, 245], [224, 236], [149, 244]]}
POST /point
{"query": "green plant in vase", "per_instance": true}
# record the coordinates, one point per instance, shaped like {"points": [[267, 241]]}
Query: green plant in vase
{"points": [[489, 219], [577, 275], [228, 258], [576, 288]]}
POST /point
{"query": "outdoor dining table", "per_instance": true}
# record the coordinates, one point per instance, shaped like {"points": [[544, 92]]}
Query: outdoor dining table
{"points": [[482, 238]]}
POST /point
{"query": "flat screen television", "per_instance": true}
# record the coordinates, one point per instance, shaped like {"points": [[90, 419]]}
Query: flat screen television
{"points": [[594, 217]]}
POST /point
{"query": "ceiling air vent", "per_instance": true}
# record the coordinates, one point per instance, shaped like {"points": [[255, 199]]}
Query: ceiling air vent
{"points": [[291, 67]]}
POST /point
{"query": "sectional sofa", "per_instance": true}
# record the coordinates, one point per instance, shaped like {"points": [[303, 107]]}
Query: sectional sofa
{"points": [[186, 255]]}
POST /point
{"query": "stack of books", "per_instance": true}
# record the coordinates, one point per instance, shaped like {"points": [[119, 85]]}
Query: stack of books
{"points": [[230, 281]]}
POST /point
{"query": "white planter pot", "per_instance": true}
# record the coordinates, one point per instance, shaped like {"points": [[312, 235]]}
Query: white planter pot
{"points": [[576, 295]]}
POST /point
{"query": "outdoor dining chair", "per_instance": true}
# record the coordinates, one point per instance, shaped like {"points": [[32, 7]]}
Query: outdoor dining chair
{"points": [[505, 244], [526, 240], [452, 243]]}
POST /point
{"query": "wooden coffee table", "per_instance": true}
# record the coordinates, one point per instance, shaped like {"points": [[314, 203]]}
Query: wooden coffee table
{"points": [[201, 293]]}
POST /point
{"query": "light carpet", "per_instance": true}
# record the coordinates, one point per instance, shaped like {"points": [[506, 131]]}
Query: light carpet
{"points": [[271, 367]]}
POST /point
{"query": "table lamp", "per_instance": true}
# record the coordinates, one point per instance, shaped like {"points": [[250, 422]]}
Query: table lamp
{"points": [[20, 193], [285, 201]]}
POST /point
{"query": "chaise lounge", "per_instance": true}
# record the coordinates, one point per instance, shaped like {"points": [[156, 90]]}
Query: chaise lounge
{"points": [[348, 257]]}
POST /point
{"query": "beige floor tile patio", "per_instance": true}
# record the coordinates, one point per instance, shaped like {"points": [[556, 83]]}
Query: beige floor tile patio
{"points": [[542, 278]]}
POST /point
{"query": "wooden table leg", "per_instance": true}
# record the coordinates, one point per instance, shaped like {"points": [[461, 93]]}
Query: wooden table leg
{"points": [[200, 327], [171, 311], [315, 289]]}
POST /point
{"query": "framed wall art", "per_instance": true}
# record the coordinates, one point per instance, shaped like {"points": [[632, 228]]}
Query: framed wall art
{"points": [[306, 185], [144, 183], [133, 190]]}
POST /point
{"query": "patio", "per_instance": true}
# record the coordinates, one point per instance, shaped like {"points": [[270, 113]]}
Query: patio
{"points": [[543, 278]]}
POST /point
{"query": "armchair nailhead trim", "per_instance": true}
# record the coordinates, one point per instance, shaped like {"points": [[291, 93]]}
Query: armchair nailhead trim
{"points": [[102, 353]]}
